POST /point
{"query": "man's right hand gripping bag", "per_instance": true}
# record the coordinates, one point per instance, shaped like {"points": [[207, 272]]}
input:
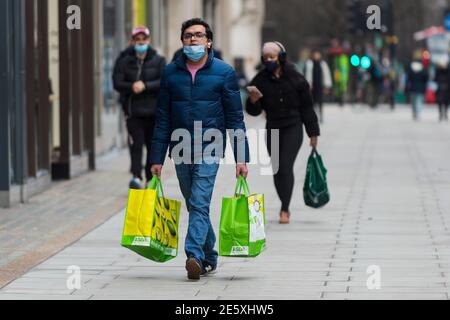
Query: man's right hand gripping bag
{"points": [[315, 190], [242, 224]]}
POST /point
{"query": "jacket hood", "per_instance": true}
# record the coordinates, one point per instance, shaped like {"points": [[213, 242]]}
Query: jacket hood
{"points": [[127, 52]]}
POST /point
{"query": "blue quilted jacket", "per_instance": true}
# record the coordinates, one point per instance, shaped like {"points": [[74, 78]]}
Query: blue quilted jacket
{"points": [[213, 99]]}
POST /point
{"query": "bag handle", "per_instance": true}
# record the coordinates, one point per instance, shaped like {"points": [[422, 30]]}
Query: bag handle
{"points": [[314, 152], [242, 185], [155, 184]]}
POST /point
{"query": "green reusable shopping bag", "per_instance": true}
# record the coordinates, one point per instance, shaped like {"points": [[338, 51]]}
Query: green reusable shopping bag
{"points": [[242, 223], [315, 190], [151, 223]]}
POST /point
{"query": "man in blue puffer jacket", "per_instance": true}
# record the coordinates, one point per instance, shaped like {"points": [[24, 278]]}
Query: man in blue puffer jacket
{"points": [[199, 101]]}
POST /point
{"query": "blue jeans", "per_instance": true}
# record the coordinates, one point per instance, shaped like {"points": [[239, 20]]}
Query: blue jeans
{"points": [[197, 185], [417, 102]]}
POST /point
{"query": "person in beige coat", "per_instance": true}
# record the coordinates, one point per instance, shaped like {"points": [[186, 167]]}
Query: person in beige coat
{"points": [[318, 74]]}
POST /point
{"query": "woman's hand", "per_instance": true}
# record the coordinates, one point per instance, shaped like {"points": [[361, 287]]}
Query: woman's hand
{"points": [[314, 142], [254, 98], [254, 94]]}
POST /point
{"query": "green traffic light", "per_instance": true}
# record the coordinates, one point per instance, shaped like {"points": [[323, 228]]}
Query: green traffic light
{"points": [[355, 61], [366, 63]]}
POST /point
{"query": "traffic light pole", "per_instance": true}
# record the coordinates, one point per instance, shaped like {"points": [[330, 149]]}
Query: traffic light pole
{"points": [[388, 13]]}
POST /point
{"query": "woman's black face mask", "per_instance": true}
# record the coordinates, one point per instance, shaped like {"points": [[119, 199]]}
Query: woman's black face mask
{"points": [[271, 66]]}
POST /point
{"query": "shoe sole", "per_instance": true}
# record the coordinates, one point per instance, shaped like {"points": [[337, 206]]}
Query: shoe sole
{"points": [[209, 273], [194, 270]]}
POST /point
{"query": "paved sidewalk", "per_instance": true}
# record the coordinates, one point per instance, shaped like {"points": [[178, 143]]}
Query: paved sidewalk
{"points": [[389, 180], [32, 232]]}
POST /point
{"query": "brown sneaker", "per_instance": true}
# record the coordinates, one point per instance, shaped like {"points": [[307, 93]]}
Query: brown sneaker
{"points": [[284, 217], [193, 268]]}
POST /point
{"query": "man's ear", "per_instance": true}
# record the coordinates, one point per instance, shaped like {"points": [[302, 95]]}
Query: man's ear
{"points": [[210, 44]]}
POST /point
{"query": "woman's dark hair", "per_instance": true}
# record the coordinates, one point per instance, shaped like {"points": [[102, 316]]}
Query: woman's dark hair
{"points": [[196, 22]]}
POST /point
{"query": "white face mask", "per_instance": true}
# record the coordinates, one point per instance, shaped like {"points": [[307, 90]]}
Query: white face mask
{"points": [[195, 53]]}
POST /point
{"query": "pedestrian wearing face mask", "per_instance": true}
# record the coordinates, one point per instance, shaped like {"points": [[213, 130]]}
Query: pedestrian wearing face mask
{"points": [[285, 96], [198, 88], [137, 77]]}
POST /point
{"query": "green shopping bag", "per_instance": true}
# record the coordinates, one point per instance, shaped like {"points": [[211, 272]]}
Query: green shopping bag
{"points": [[242, 223], [151, 223], [315, 190]]}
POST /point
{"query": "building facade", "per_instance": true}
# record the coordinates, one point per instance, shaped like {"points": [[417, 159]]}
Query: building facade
{"points": [[59, 109]]}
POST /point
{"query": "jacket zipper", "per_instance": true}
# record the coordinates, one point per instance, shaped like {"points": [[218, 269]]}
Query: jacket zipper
{"points": [[140, 65], [192, 82]]}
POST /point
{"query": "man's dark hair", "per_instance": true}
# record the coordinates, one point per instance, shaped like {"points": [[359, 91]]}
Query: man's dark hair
{"points": [[196, 22]]}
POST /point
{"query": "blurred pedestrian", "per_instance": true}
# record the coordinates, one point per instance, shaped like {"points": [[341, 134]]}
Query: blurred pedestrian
{"points": [[443, 93], [198, 87], [318, 75], [285, 96], [137, 77], [338, 56], [416, 86], [389, 80], [303, 56], [239, 67], [374, 86]]}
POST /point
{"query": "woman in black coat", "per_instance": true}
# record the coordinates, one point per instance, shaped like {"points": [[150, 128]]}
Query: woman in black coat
{"points": [[285, 96]]}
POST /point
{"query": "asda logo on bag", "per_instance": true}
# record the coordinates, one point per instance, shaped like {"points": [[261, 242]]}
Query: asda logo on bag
{"points": [[239, 251], [141, 241]]}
